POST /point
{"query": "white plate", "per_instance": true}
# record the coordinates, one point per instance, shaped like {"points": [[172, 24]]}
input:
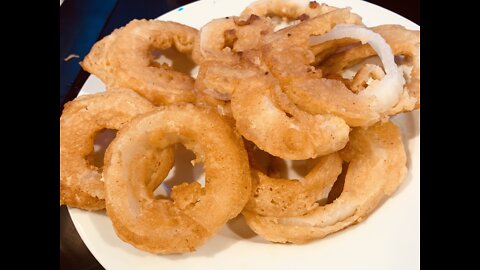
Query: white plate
{"points": [[388, 239]]}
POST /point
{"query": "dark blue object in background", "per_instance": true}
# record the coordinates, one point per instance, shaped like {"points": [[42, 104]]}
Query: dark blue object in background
{"points": [[81, 22]]}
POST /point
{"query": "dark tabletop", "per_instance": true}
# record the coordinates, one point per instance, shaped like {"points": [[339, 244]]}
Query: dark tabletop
{"points": [[82, 23]]}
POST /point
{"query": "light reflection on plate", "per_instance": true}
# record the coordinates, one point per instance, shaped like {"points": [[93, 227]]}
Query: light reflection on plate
{"points": [[388, 239]]}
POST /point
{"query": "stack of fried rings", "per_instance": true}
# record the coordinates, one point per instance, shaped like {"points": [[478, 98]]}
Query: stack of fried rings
{"points": [[320, 90]]}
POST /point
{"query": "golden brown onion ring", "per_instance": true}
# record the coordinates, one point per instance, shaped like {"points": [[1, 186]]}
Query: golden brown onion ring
{"points": [[403, 42], [81, 183], [306, 87], [265, 116], [382, 94], [377, 166], [195, 213], [124, 59]]}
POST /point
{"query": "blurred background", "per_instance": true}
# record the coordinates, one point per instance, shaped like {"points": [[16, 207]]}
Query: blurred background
{"points": [[82, 23]]}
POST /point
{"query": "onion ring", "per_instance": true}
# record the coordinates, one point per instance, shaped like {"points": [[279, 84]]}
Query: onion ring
{"points": [[377, 167], [265, 116], [123, 59], [81, 183], [402, 42], [217, 80], [388, 90], [314, 94], [224, 42], [195, 214]]}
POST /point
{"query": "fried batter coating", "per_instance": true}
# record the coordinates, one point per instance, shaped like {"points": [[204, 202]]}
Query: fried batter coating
{"points": [[195, 214], [377, 166], [124, 59]]}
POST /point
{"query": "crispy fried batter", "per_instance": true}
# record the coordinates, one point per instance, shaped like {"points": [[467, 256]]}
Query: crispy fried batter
{"points": [[162, 225], [377, 167], [122, 59], [281, 197]]}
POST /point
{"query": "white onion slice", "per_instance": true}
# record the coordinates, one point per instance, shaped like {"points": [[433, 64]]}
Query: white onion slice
{"points": [[388, 90]]}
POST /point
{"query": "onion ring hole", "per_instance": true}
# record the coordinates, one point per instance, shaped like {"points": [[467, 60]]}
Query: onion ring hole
{"points": [[171, 58], [102, 140], [337, 187], [276, 167], [185, 170]]}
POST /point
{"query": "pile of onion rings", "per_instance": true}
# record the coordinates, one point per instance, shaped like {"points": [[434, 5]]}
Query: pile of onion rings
{"points": [[284, 81]]}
